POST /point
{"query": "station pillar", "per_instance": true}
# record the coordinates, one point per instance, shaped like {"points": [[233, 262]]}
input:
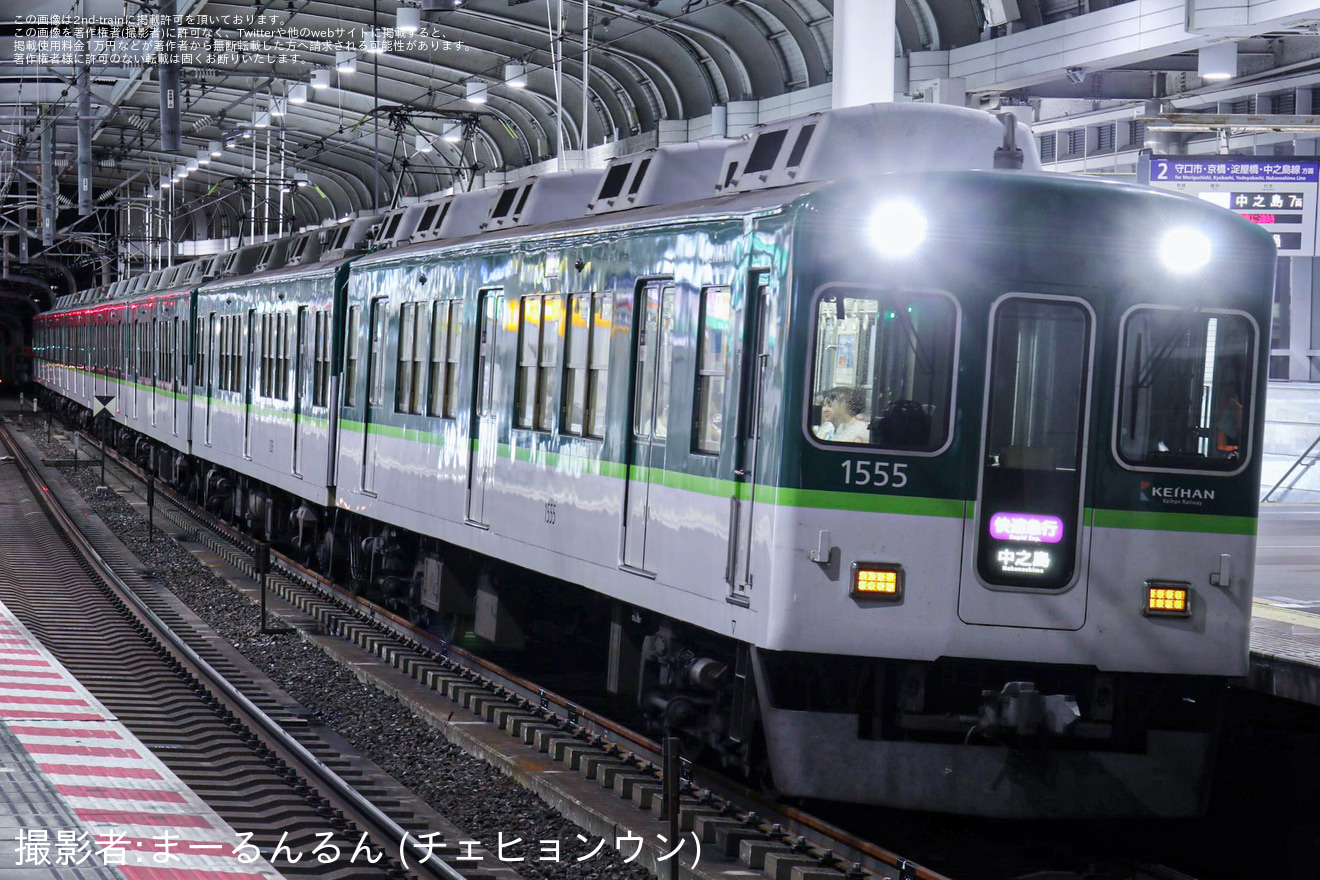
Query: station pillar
{"points": [[864, 40]]}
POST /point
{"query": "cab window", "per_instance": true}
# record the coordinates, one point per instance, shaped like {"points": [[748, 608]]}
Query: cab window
{"points": [[1185, 398], [882, 372]]}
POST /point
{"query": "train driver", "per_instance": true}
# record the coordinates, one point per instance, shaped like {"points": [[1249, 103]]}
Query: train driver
{"points": [[840, 416]]}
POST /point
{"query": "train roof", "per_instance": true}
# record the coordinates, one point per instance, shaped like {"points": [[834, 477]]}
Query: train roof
{"points": [[770, 167]]}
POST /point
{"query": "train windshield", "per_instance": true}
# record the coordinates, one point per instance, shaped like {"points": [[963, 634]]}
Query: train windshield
{"points": [[883, 369], [1185, 394]]}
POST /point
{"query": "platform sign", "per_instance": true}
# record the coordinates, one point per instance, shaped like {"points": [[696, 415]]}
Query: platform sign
{"points": [[1279, 193]]}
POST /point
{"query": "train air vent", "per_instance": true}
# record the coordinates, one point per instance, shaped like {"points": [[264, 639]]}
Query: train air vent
{"points": [[862, 141], [664, 176]]}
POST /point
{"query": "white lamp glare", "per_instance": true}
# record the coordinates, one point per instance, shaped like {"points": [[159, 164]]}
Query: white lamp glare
{"points": [[515, 75], [1185, 250], [321, 79], [423, 145], [408, 20], [203, 156], [1217, 61], [476, 91], [298, 93], [451, 133], [897, 228], [216, 150], [345, 62]]}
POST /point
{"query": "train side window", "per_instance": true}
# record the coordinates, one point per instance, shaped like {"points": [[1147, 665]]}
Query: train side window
{"points": [[286, 351], [529, 358], [435, 405], [712, 369], [883, 369], [602, 321], [354, 344], [577, 344], [1185, 390], [264, 373], [552, 320], [408, 377]]}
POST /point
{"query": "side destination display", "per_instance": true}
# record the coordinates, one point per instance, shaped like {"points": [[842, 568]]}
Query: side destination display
{"points": [[1277, 192]]}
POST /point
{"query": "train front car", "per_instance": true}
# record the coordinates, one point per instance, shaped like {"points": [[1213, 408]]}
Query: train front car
{"points": [[1021, 458]]}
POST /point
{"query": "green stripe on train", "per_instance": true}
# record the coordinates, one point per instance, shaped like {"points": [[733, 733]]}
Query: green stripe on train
{"points": [[1174, 522]]}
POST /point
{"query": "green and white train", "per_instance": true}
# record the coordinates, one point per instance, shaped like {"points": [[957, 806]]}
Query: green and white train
{"points": [[909, 480]]}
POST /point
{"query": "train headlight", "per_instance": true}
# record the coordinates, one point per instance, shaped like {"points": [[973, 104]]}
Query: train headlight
{"points": [[1185, 250], [1168, 599], [897, 228], [882, 581]]}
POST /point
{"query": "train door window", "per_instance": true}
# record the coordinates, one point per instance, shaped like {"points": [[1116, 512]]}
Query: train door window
{"points": [[602, 321], [199, 354], [376, 394], [653, 397], [159, 356], [552, 320], [453, 352], [435, 402], [238, 381], [354, 345], [529, 358], [577, 344], [883, 369], [1185, 390], [712, 368], [1031, 471], [222, 381]]}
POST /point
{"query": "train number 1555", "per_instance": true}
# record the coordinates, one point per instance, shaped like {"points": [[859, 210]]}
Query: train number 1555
{"points": [[874, 473]]}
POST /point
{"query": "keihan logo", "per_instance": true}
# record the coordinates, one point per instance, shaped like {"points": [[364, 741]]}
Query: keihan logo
{"points": [[1175, 494]]}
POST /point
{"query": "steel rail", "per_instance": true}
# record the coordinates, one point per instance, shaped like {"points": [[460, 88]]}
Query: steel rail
{"points": [[309, 765]]}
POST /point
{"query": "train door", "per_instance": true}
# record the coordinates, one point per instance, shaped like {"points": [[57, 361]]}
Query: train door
{"points": [[742, 506], [1028, 539], [483, 444], [153, 358], [375, 408], [213, 338], [300, 360], [135, 356], [247, 371], [177, 362], [651, 365]]}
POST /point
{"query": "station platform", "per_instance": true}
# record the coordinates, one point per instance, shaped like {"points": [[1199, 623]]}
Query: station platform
{"points": [[81, 797], [1285, 626]]}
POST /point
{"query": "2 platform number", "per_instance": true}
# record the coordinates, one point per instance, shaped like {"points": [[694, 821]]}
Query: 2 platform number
{"points": [[879, 474]]}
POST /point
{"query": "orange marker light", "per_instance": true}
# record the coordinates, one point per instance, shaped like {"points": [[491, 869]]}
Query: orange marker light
{"points": [[877, 580], [1169, 599]]}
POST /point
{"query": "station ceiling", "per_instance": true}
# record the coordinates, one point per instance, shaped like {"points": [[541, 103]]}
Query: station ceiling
{"points": [[376, 135]]}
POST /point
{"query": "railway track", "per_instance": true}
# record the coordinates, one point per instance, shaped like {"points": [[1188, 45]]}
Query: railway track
{"points": [[210, 719], [749, 831]]}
